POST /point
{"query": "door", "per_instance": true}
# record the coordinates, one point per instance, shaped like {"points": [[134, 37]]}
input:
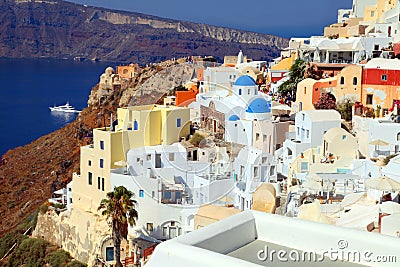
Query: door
{"points": [[158, 160]]}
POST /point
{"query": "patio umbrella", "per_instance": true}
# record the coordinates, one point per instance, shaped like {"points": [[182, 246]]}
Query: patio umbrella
{"points": [[383, 183], [313, 185], [378, 142], [389, 207]]}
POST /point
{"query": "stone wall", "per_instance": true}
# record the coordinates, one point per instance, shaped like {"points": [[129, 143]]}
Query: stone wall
{"points": [[80, 233]]}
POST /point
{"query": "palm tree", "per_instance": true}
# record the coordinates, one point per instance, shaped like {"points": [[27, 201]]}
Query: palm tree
{"points": [[119, 207]]}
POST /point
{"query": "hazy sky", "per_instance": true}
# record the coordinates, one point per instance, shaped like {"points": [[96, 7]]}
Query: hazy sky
{"points": [[288, 18]]}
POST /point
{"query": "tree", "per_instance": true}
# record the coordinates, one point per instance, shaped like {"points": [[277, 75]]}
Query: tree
{"points": [[346, 109], [296, 75], [326, 101], [119, 207]]}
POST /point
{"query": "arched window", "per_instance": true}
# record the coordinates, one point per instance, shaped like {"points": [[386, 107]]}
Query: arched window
{"points": [[135, 125], [341, 80], [240, 91], [355, 81]]}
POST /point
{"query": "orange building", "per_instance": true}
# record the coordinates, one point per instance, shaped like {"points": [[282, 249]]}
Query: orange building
{"points": [[184, 98], [309, 91], [128, 72]]}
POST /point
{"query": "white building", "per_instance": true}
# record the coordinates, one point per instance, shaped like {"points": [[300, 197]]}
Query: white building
{"points": [[310, 127], [169, 189], [368, 130], [217, 78], [251, 168]]}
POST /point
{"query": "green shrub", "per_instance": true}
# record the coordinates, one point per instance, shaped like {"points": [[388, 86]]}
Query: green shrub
{"points": [[58, 258], [196, 139], [7, 241], [43, 208], [346, 109], [76, 263], [31, 253]]}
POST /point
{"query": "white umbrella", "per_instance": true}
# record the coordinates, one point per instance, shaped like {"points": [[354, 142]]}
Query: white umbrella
{"points": [[313, 185], [389, 207], [378, 142], [383, 183], [282, 107]]}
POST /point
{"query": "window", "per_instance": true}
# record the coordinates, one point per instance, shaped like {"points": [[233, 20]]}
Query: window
{"points": [[148, 157], [304, 166], [98, 183], [257, 136], [149, 227], [369, 99], [101, 163], [171, 156], [255, 172], [298, 130], [272, 171], [344, 137], [248, 91], [372, 14], [398, 137], [303, 116], [141, 193], [355, 81], [102, 145], [240, 91], [316, 89], [90, 178], [264, 137], [164, 231], [153, 194], [264, 160], [178, 122], [384, 77], [109, 253], [135, 125], [102, 184], [308, 133], [376, 47], [342, 80], [90, 163], [305, 90]]}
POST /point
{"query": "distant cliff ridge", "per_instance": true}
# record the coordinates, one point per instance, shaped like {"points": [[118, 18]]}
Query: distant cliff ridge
{"points": [[60, 29]]}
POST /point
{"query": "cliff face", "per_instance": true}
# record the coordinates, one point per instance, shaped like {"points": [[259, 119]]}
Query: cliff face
{"points": [[59, 29], [29, 174]]}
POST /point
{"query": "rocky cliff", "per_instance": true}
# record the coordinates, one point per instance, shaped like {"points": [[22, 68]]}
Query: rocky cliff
{"points": [[29, 174], [58, 29]]}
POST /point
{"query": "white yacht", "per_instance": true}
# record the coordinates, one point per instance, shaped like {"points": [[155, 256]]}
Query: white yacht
{"points": [[64, 108]]}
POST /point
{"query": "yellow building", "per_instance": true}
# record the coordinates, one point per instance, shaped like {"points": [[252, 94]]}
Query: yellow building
{"points": [[137, 126], [349, 81]]}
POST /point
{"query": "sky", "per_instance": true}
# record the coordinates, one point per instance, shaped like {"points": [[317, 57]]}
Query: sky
{"points": [[290, 18]]}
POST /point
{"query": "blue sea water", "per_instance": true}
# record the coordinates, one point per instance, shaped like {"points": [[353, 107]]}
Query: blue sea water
{"points": [[29, 86]]}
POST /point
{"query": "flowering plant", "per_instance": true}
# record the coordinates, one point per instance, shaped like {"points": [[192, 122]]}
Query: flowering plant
{"points": [[326, 101]]}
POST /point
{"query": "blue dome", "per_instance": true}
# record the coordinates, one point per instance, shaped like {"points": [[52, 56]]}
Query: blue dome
{"points": [[245, 80], [259, 105], [234, 118]]}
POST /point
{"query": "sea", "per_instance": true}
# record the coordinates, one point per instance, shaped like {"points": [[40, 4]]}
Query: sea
{"points": [[28, 87]]}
